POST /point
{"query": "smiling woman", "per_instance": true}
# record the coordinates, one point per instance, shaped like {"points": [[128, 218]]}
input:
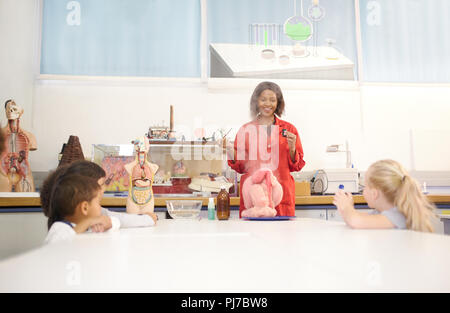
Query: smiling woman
{"points": [[270, 144]]}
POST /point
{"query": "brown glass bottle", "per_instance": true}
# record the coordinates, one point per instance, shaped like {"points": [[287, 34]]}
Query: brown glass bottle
{"points": [[223, 205]]}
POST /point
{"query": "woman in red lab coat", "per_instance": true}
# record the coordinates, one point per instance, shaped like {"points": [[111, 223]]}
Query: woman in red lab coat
{"points": [[268, 142]]}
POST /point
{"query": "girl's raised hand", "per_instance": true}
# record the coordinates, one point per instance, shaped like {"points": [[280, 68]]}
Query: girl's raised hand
{"points": [[343, 201]]}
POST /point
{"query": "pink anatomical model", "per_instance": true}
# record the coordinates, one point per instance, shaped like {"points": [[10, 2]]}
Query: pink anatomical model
{"points": [[15, 169], [262, 193], [141, 172]]}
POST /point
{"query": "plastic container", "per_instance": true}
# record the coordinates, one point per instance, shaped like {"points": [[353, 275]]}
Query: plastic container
{"points": [[211, 209], [184, 209]]}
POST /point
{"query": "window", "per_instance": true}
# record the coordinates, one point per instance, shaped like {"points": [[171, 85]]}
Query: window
{"points": [[159, 38], [401, 41], [405, 40]]}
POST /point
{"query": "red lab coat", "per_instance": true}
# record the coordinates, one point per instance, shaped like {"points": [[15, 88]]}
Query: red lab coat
{"points": [[247, 160]]}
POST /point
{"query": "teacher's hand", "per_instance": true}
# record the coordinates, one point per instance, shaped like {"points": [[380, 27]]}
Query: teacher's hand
{"points": [[291, 140], [229, 148]]}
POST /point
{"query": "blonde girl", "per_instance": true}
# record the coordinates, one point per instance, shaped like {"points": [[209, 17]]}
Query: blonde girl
{"points": [[396, 197]]}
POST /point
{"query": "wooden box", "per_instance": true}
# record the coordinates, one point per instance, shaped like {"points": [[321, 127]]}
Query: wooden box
{"points": [[302, 188]]}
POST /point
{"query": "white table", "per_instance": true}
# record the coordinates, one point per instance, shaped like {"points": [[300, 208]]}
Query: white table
{"points": [[236, 256], [245, 61]]}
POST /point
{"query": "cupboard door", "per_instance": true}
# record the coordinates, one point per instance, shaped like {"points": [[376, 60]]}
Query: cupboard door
{"points": [[333, 214], [318, 214]]}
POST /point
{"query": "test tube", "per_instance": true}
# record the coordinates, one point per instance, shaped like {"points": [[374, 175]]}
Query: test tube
{"points": [[280, 29], [274, 34]]}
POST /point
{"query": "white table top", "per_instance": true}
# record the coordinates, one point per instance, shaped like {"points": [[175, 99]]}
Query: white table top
{"points": [[236, 256], [245, 60]]}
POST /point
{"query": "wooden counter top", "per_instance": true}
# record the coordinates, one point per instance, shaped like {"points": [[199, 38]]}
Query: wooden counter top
{"points": [[9, 201]]}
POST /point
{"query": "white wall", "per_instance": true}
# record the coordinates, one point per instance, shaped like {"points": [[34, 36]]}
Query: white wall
{"points": [[18, 40], [406, 123], [409, 124]]}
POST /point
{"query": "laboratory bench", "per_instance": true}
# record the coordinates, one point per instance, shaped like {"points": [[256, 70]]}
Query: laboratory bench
{"points": [[9, 200], [314, 206]]}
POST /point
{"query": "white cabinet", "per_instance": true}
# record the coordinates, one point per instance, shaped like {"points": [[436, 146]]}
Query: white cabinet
{"points": [[306, 213], [20, 232], [438, 223], [333, 214]]}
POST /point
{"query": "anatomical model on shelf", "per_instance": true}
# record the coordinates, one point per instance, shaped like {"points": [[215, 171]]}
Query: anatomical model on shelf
{"points": [[262, 193], [141, 172], [15, 170], [71, 151]]}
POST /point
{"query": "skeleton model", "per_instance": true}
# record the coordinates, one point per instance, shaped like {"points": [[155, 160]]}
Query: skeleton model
{"points": [[15, 169], [140, 194]]}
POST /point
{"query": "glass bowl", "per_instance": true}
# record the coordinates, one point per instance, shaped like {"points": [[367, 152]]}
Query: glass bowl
{"points": [[184, 209]]}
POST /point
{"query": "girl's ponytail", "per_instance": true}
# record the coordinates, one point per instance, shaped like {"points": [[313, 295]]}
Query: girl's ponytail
{"points": [[414, 205]]}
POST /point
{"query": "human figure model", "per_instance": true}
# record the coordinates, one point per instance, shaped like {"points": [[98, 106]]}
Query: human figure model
{"points": [[15, 169], [140, 194]]}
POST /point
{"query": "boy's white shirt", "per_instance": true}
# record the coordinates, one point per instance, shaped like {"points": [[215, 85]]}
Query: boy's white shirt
{"points": [[61, 231], [130, 220]]}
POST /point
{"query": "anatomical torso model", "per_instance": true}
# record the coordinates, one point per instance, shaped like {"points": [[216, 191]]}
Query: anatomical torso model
{"points": [[140, 194], [262, 193], [15, 168]]}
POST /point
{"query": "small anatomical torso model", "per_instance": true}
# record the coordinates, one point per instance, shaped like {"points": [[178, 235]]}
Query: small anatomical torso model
{"points": [[15, 169], [140, 194], [262, 193]]}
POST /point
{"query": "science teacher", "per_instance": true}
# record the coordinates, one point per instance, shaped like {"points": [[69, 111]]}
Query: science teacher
{"points": [[267, 142]]}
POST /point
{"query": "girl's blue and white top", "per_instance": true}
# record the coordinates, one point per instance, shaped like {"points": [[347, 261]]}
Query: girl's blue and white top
{"points": [[394, 216]]}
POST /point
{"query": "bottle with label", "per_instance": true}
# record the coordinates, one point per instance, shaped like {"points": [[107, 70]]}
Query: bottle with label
{"points": [[211, 209], [223, 204]]}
